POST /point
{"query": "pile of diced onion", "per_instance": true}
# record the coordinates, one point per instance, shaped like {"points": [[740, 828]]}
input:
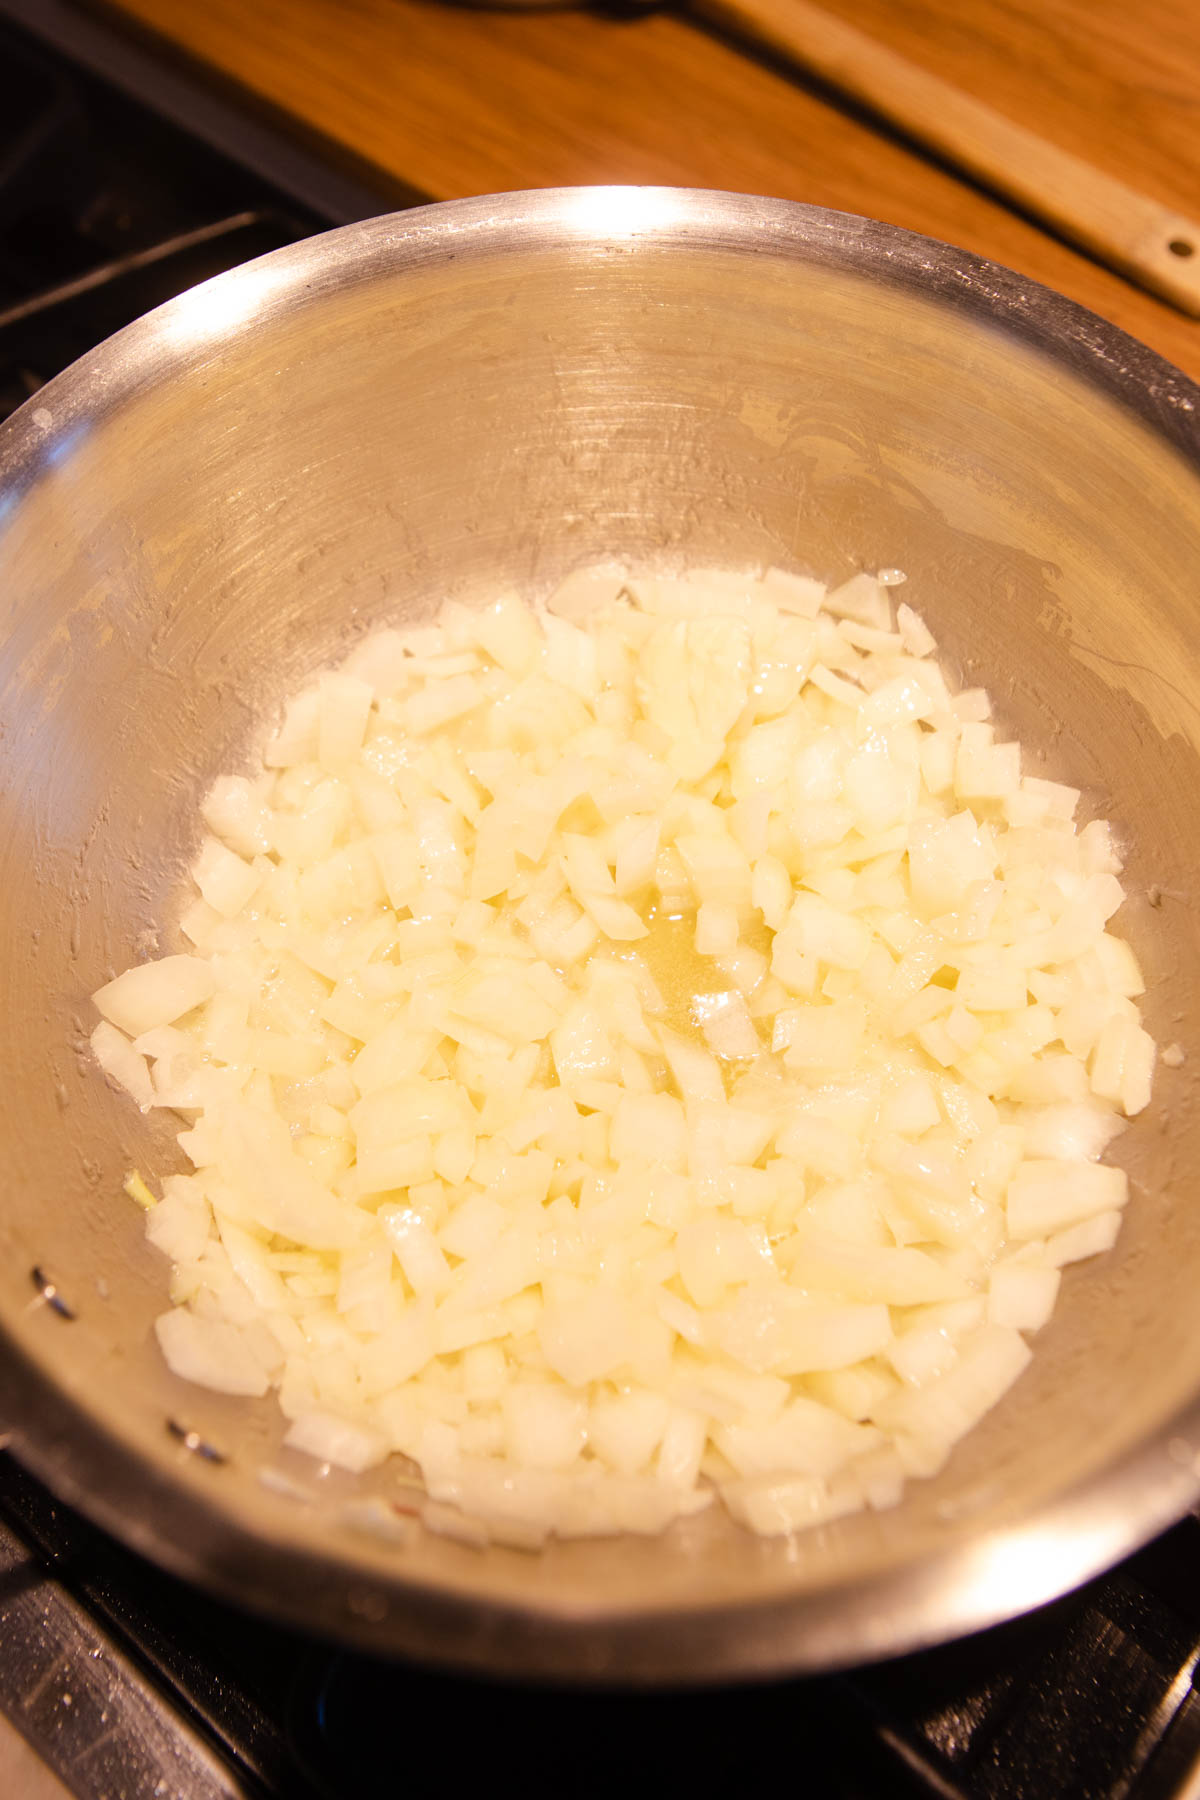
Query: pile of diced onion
{"points": [[649, 1047]]}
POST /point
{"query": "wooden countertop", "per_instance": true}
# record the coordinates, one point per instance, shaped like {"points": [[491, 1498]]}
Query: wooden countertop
{"points": [[453, 101]]}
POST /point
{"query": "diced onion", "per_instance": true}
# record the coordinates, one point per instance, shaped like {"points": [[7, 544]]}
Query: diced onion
{"points": [[655, 1046]]}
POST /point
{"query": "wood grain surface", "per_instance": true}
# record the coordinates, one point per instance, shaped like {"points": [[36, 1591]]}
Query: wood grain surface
{"points": [[455, 101], [1155, 246]]}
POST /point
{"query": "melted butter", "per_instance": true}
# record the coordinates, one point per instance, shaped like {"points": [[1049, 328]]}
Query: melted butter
{"points": [[679, 972], [688, 981]]}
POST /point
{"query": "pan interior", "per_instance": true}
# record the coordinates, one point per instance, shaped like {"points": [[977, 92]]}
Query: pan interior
{"points": [[222, 499]]}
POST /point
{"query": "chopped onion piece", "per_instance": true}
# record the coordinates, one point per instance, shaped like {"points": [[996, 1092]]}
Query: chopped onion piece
{"points": [[211, 1352], [333, 1440], [155, 993], [118, 1058]]}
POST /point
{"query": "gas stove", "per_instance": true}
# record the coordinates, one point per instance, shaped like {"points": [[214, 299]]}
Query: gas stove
{"points": [[111, 204], [121, 184], [129, 1685]]}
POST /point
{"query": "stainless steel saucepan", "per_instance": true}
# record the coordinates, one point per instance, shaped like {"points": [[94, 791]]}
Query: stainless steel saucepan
{"points": [[496, 390]]}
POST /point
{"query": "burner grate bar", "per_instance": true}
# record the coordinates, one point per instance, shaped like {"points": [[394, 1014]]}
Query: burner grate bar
{"points": [[84, 1706]]}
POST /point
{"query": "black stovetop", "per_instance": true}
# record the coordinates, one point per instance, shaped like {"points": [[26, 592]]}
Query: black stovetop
{"points": [[108, 206], [123, 1678], [131, 1685]]}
